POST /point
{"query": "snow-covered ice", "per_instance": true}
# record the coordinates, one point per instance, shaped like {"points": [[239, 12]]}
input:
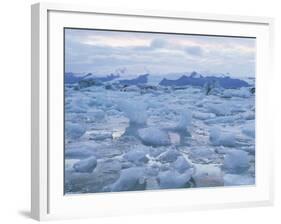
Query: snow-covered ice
{"points": [[131, 134]]}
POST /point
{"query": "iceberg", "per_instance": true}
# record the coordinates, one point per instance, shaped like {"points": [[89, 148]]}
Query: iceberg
{"points": [[101, 79], [137, 136], [134, 111], [212, 87], [141, 79], [130, 89], [71, 78], [185, 121], [91, 80]]}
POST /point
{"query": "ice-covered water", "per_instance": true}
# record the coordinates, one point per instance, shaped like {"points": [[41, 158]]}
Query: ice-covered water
{"points": [[154, 137]]}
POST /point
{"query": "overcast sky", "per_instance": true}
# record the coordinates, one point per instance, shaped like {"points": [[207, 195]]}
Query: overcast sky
{"points": [[104, 52]]}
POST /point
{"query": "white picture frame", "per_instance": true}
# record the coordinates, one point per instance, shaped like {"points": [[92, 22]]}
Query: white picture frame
{"points": [[47, 198]]}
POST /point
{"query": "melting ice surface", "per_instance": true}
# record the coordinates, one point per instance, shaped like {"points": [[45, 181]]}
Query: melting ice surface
{"points": [[127, 136]]}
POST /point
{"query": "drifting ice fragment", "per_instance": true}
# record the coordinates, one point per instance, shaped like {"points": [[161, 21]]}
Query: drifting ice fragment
{"points": [[219, 109], [236, 161], [138, 157], [134, 111], [203, 116], [208, 175], [249, 130], [181, 164], [225, 81], [185, 121], [129, 180], [86, 165], [218, 137], [154, 136], [202, 155], [141, 79], [169, 156], [74, 131], [77, 153], [173, 179], [234, 179], [242, 92], [151, 183]]}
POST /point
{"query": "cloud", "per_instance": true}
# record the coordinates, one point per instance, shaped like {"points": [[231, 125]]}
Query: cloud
{"points": [[103, 52], [158, 43], [194, 50]]}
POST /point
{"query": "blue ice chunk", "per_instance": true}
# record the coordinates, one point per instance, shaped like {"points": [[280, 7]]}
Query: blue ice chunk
{"points": [[86, 165], [141, 79]]}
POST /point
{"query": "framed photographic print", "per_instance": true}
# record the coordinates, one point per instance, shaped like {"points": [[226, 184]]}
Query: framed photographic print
{"points": [[146, 111]]}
